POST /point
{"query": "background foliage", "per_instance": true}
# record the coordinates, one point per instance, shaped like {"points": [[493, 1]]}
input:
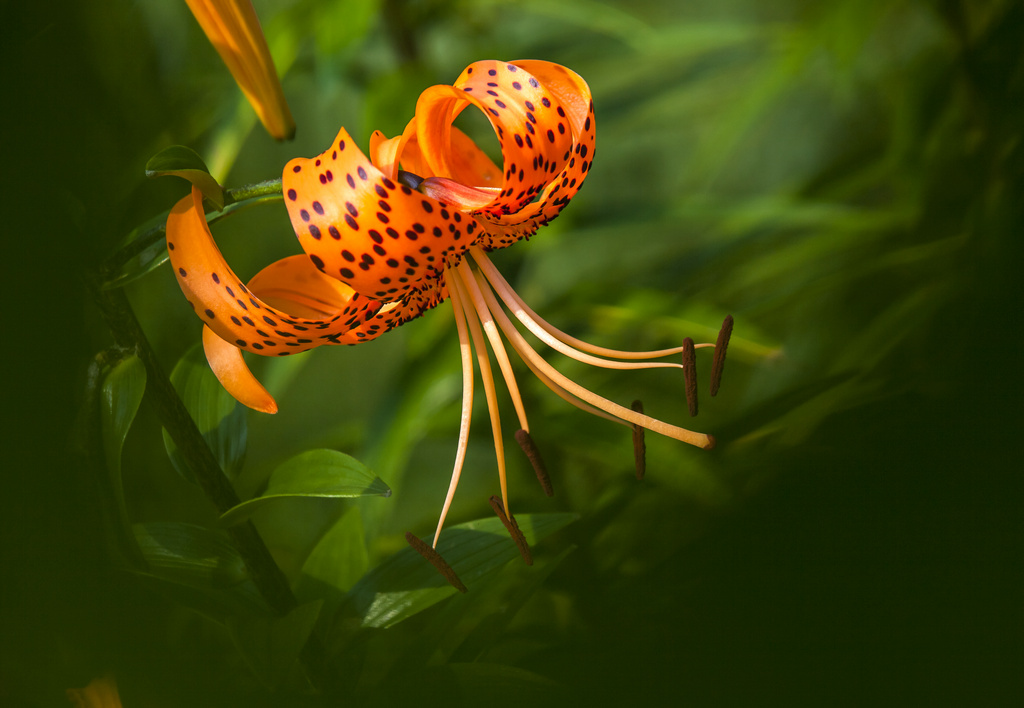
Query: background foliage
{"points": [[845, 178]]}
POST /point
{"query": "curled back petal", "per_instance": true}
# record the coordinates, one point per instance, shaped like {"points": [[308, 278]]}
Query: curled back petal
{"points": [[535, 140], [233, 373], [238, 315], [356, 224], [573, 110], [384, 151], [463, 162]]}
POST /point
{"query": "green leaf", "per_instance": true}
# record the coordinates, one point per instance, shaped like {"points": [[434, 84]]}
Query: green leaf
{"points": [[406, 584], [337, 561], [220, 418], [184, 162], [271, 645], [314, 473], [198, 567], [123, 387]]}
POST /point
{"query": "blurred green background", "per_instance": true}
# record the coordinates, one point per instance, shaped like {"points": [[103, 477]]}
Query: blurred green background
{"points": [[845, 178]]}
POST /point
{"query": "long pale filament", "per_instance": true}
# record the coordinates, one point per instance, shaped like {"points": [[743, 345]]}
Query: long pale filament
{"points": [[479, 314], [491, 330], [467, 402], [524, 349], [556, 338], [488, 378]]}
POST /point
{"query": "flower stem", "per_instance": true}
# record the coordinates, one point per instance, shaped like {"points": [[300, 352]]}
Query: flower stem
{"points": [[153, 231], [264, 572]]}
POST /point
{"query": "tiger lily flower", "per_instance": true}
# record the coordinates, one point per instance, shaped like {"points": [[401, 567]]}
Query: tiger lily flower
{"points": [[234, 31], [390, 236]]}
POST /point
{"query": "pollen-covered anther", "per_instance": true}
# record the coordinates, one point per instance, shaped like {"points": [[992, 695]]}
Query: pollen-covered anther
{"points": [[410, 180], [639, 445], [513, 529], [533, 455], [718, 363], [436, 560], [690, 375]]}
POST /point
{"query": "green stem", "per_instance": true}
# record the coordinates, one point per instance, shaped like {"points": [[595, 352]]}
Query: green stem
{"points": [[251, 191], [264, 571], [155, 230]]}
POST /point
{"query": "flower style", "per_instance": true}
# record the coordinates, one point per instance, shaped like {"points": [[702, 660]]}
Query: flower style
{"points": [[383, 245], [234, 31]]}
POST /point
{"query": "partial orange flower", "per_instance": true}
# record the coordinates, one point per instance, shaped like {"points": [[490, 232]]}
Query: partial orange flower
{"points": [[100, 693], [234, 30], [390, 236]]}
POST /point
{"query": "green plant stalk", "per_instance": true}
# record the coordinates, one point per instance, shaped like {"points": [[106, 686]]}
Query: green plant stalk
{"points": [[266, 575], [149, 233]]}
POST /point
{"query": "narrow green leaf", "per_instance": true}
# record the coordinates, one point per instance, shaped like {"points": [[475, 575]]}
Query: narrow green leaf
{"points": [[184, 162], [337, 562], [405, 584], [199, 568], [271, 645], [123, 387], [314, 473], [220, 418]]}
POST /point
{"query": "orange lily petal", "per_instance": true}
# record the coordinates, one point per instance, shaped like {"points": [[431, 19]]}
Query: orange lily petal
{"points": [[233, 373], [525, 119], [234, 30], [381, 238], [294, 285], [573, 110], [235, 313], [384, 153], [412, 305], [467, 163]]}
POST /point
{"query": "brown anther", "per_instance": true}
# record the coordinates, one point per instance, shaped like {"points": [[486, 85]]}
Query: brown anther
{"points": [[513, 529], [718, 364], [436, 560], [639, 446], [533, 454], [690, 375]]}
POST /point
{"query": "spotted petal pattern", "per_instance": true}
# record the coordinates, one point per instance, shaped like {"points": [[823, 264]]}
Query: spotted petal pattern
{"points": [[376, 249], [358, 225], [237, 314]]}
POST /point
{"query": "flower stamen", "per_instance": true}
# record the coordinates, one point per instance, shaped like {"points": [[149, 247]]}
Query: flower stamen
{"points": [[558, 340], [467, 407], [690, 375], [639, 445], [533, 455], [491, 330], [513, 530], [436, 560], [528, 354], [456, 282], [718, 363]]}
